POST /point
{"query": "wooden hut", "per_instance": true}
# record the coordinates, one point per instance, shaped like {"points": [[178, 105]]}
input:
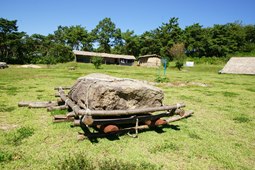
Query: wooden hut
{"points": [[85, 57], [151, 60]]}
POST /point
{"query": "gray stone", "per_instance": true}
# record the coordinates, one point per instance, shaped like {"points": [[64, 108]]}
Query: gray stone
{"points": [[103, 92], [3, 65]]}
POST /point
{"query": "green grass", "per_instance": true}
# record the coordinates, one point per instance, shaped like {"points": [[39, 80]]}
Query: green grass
{"points": [[220, 135]]}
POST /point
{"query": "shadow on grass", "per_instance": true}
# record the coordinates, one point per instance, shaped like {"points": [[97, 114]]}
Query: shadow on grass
{"points": [[112, 136]]}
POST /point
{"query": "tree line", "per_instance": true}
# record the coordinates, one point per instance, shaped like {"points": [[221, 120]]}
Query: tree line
{"points": [[219, 40]]}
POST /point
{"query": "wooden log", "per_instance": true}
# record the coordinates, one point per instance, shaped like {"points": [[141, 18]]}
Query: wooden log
{"points": [[70, 114], [130, 120], [68, 101], [87, 120], [23, 104], [178, 117], [63, 107], [76, 122], [63, 88], [37, 104], [130, 111], [62, 118]]}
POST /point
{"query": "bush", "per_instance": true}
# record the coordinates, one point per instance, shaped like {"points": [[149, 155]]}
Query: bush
{"points": [[177, 51], [80, 161], [97, 61], [210, 60], [5, 156], [160, 79], [179, 64], [16, 137]]}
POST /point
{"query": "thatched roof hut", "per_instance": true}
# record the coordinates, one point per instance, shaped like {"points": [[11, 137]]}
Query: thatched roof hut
{"points": [[151, 60], [240, 65], [85, 56]]}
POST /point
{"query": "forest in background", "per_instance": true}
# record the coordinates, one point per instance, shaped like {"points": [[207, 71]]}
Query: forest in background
{"points": [[197, 41]]}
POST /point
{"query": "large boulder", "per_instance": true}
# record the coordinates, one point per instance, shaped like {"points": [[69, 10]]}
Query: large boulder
{"points": [[103, 92], [3, 65]]}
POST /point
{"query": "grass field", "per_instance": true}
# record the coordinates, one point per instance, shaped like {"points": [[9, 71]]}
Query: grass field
{"points": [[220, 135]]}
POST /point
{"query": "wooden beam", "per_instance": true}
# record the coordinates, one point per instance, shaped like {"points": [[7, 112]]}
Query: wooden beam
{"points": [[129, 111]]}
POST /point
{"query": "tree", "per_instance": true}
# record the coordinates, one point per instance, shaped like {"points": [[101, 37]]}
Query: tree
{"points": [[97, 61], [168, 34], [129, 44], [194, 37], [249, 38], [177, 52], [76, 37], [149, 43], [11, 42], [106, 35]]}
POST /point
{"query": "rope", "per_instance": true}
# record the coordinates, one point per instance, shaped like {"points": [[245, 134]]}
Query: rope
{"points": [[178, 109], [87, 110], [66, 101], [178, 105], [87, 96], [136, 130]]}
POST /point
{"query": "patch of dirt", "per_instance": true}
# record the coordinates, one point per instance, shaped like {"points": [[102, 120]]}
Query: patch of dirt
{"points": [[183, 84], [30, 66], [7, 127]]}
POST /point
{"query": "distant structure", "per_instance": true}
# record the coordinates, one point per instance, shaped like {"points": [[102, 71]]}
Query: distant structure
{"points": [[151, 60], [85, 57], [240, 65]]}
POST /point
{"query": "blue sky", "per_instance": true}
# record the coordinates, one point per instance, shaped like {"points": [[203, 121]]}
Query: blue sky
{"points": [[44, 16]]}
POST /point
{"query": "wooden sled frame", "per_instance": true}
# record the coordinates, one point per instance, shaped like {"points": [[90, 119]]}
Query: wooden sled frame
{"points": [[108, 122]]}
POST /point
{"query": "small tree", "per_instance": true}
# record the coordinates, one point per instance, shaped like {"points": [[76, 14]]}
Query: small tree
{"points": [[97, 61], [178, 54]]}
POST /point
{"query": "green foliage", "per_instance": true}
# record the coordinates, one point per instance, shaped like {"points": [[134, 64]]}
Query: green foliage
{"points": [[193, 135], [164, 147], [97, 61], [16, 137], [78, 162], [179, 64], [106, 34], [160, 79], [5, 108], [230, 94], [242, 119], [58, 112], [5, 156], [209, 60], [177, 52], [76, 37], [12, 48], [82, 162], [217, 41]]}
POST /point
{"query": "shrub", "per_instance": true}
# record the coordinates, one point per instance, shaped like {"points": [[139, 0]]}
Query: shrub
{"points": [[5, 156], [210, 60], [16, 137], [160, 79], [97, 61], [177, 51], [242, 119], [80, 161], [179, 64]]}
